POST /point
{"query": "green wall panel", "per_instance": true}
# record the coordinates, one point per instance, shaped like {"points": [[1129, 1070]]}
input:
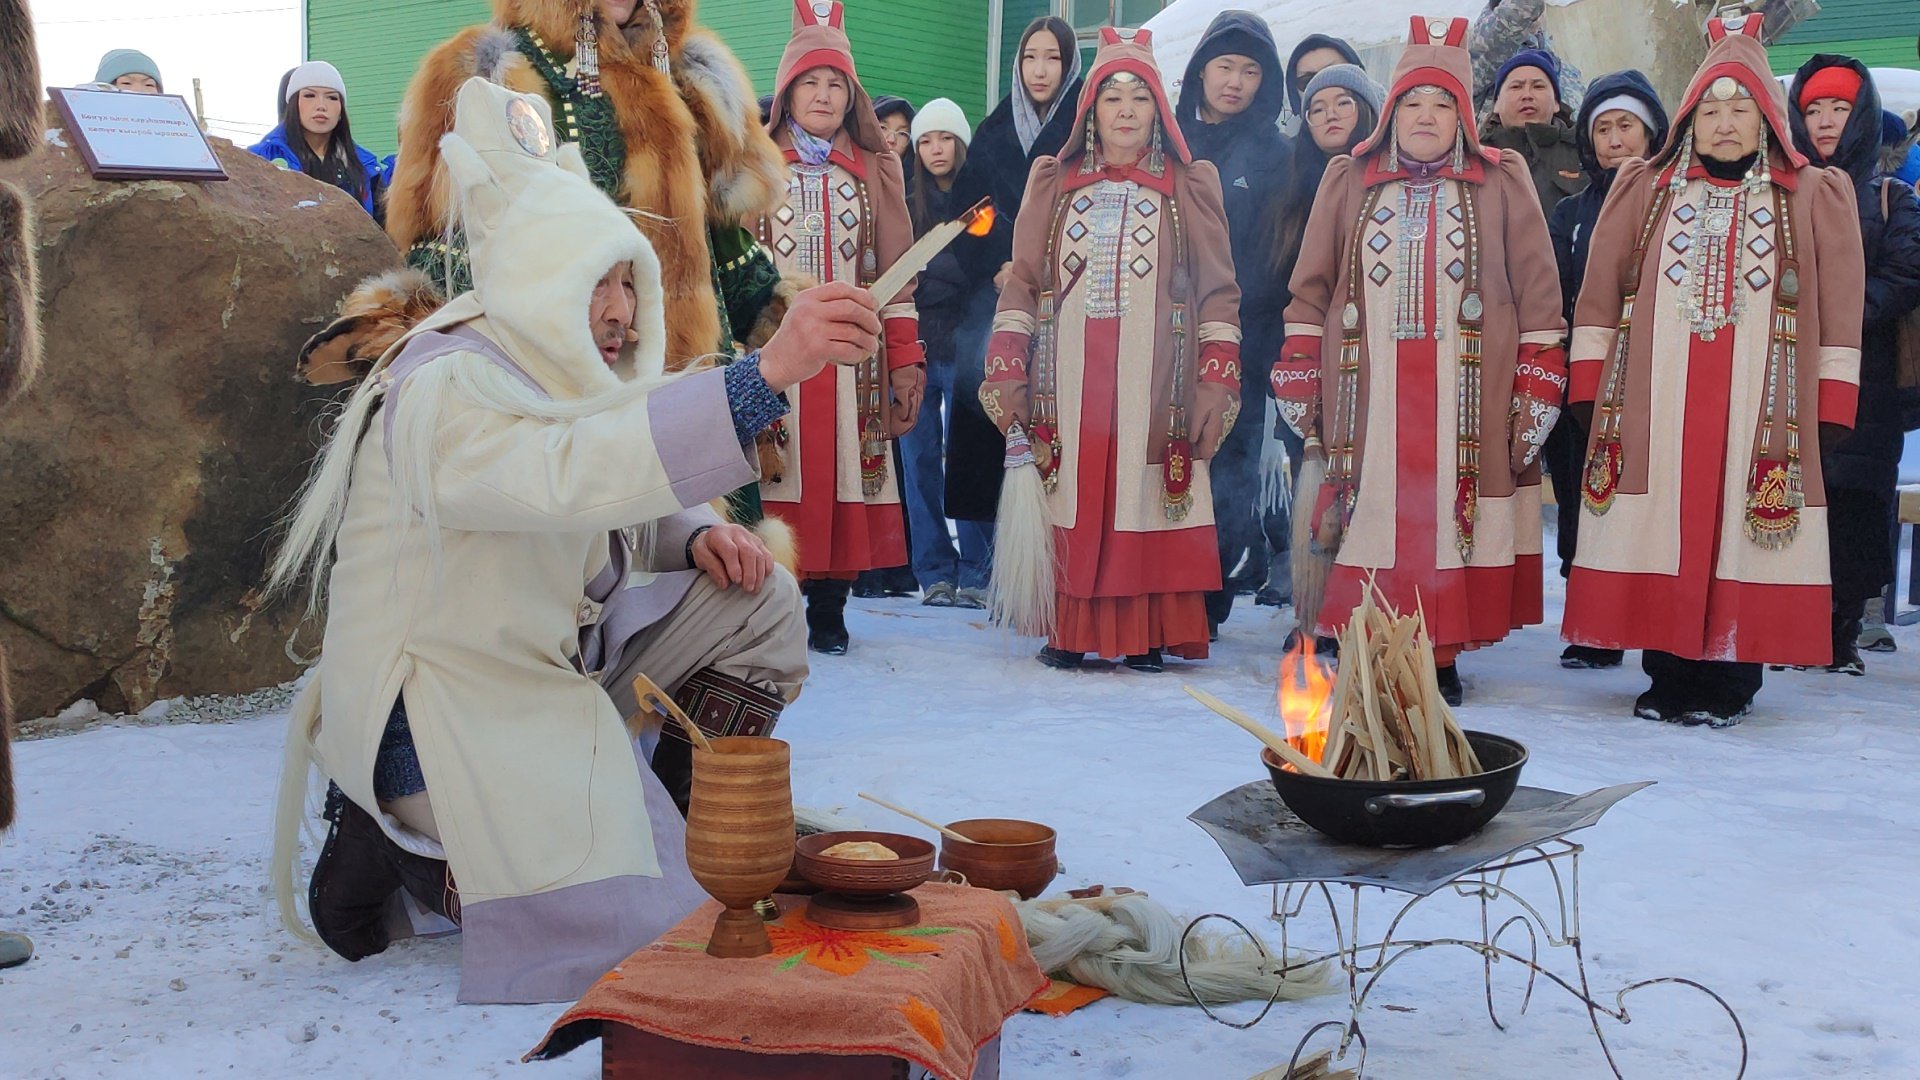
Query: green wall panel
{"points": [[377, 45], [915, 49], [1859, 20], [1873, 52]]}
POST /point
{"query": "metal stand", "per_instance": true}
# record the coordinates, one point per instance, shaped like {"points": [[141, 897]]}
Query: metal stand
{"points": [[1364, 964]]}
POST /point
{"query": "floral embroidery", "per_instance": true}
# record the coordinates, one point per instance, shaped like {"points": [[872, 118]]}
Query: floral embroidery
{"points": [[847, 952], [926, 1021]]}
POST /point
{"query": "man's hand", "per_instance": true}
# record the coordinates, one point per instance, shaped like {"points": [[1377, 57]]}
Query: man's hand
{"points": [[836, 323], [733, 555], [1218, 407], [1000, 279]]}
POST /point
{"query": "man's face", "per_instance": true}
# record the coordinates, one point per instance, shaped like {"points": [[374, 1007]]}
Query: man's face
{"points": [[899, 132], [1229, 83], [610, 312], [1525, 98]]}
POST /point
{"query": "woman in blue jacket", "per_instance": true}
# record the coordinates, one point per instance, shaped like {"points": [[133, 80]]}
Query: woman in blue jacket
{"points": [[313, 136]]}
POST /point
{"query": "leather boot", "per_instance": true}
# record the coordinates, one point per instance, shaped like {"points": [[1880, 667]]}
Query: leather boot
{"points": [[827, 615], [359, 868], [352, 880], [719, 705]]}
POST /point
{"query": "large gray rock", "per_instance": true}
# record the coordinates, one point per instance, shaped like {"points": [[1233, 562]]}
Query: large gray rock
{"points": [[143, 476]]}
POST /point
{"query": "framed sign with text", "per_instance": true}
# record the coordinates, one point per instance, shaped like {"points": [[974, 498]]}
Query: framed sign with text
{"points": [[126, 136]]}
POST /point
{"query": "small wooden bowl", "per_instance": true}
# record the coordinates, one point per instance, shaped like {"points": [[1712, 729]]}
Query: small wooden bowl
{"points": [[1004, 854], [864, 877]]}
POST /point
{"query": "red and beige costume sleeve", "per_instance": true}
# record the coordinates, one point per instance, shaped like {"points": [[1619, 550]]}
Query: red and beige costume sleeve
{"points": [[1540, 369], [1297, 372], [1004, 393], [1841, 276], [1215, 306], [900, 321]]}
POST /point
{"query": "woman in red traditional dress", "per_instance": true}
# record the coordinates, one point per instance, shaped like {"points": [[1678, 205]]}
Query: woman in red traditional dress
{"points": [[845, 219], [1116, 350], [1423, 357], [1720, 320]]}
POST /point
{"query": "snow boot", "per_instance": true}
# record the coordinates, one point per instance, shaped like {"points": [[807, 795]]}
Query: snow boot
{"points": [[827, 616], [1874, 635], [1450, 689], [941, 594], [719, 705], [15, 949], [1586, 658], [1149, 662], [1654, 705], [352, 880], [1719, 716], [1846, 646], [970, 599], [1061, 659]]}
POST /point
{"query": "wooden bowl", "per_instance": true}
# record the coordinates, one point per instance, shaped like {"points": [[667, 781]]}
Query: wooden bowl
{"points": [[864, 877], [1005, 855]]}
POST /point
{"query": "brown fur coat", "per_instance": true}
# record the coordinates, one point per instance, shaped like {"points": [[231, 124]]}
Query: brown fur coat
{"points": [[19, 291], [695, 149]]}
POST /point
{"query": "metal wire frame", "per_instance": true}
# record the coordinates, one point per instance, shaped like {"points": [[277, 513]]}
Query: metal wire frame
{"points": [[1365, 965]]}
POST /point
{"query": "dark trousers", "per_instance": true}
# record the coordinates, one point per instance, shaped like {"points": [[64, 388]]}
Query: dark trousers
{"points": [[1565, 456], [1716, 685], [1235, 476], [1860, 548]]}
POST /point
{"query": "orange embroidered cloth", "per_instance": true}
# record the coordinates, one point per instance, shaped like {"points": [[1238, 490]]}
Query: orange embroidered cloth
{"points": [[932, 994]]}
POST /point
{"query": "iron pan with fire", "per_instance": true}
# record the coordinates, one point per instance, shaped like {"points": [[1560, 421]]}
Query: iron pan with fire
{"points": [[1374, 756]]}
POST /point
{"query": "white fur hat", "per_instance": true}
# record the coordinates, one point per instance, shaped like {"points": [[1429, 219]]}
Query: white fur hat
{"points": [[315, 73], [942, 114], [541, 237]]}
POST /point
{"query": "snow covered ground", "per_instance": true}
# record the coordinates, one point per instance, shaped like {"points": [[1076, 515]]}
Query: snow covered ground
{"points": [[1778, 862]]}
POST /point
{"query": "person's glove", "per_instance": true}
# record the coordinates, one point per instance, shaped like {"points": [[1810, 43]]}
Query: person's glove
{"points": [[909, 390], [1539, 386], [1296, 384]]}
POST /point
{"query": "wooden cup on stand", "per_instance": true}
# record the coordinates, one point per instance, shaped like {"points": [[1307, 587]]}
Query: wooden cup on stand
{"points": [[740, 835]]}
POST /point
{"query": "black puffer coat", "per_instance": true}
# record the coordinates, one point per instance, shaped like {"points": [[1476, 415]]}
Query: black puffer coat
{"points": [[1252, 156], [1869, 459]]}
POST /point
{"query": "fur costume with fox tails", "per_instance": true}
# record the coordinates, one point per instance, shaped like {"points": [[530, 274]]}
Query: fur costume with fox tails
{"points": [[475, 492], [20, 128], [695, 151]]}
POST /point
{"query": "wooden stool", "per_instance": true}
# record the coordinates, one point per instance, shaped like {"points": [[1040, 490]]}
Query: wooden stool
{"points": [[631, 1054]]}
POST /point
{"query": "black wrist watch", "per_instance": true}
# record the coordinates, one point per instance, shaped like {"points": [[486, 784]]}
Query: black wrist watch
{"points": [[695, 535]]}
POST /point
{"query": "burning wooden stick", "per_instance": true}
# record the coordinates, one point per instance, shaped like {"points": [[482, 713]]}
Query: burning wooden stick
{"points": [[1280, 746], [976, 222]]}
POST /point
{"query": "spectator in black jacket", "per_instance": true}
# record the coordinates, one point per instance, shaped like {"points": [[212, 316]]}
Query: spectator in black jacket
{"points": [[1230, 101], [1836, 121], [1620, 119], [1035, 119]]}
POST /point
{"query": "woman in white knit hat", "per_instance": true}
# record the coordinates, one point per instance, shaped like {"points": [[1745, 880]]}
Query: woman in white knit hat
{"points": [[313, 136], [948, 577]]}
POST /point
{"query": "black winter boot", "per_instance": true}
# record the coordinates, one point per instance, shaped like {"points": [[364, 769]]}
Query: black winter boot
{"points": [[1450, 689], [1061, 659], [827, 616], [1846, 646], [1149, 662], [352, 879]]}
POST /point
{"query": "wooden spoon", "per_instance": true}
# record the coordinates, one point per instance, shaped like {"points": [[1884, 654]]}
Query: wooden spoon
{"points": [[903, 812]]}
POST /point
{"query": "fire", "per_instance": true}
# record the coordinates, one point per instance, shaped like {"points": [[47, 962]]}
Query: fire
{"points": [[1305, 691], [982, 222]]}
